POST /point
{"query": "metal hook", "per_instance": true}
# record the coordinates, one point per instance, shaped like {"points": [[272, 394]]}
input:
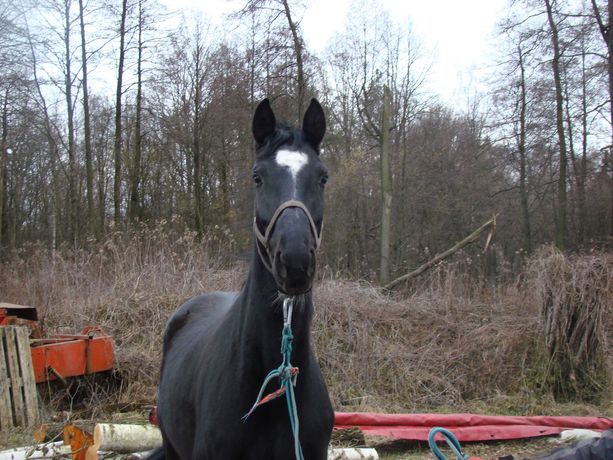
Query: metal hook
{"points": [[288, 307]]}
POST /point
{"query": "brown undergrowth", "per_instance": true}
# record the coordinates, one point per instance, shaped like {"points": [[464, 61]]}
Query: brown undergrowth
{"points": [[450, 343]]}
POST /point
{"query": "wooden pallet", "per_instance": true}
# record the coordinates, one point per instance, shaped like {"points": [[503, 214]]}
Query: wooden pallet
{"points": [[18, 397]]}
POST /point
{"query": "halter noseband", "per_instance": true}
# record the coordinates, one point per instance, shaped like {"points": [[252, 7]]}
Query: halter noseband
{"points": [[263, 238]]}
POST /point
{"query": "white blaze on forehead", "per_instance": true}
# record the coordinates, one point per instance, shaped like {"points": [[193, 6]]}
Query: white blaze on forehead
{"points": [[293, 160]]}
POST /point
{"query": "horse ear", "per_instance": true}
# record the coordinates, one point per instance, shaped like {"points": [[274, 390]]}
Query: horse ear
{"points": [[314, 124], [264, 122]]}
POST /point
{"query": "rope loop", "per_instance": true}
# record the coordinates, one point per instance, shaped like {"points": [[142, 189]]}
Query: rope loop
{"points": [[451, 441]]}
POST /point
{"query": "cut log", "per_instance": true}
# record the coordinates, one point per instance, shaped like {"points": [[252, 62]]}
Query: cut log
{"points": [[353, 454], [49, 450], [114, 437], [79, 441], [333, 454], [123, 439]]}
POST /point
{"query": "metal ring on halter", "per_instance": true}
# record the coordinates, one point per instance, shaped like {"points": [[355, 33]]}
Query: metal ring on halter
{"points": [[263, 238]]}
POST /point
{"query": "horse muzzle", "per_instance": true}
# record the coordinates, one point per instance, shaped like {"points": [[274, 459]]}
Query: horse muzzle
{"points": [[290, 241], [292, 247]]}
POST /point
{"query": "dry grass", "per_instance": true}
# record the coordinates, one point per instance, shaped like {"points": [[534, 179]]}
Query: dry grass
{"points": [[450, 344], [129, 285], [441, 346]]}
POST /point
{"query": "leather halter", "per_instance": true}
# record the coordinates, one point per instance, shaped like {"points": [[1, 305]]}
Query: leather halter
{"points": [[263, 238]]}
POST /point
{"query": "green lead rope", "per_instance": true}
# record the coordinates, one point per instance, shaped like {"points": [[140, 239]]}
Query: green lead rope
{"points": [[287, 375]]}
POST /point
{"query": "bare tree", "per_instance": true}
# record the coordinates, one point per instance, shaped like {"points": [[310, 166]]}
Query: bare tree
{"points": [[556, 65], [281, 8], [521, 148], [298, 53], [117, 149], [386, 188], [198, 61], [135, 174], [87, 125], [607, 37]]}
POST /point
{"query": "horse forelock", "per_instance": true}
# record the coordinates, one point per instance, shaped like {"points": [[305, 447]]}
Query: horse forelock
{"points": [[284, 136]]}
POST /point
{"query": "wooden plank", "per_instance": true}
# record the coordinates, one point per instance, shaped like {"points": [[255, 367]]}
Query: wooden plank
{"points": [[15, 376], [27, 375], [12, 305], [6, 412]]}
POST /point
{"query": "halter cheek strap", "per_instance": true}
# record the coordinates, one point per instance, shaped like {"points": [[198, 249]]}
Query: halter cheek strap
{"points": [[264, 237]]}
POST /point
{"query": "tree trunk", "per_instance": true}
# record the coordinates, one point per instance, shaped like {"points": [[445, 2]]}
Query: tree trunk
{"points": [[117, 137], [102, 191], [386, 189], [252, 67], [3, 163], [301, 81], [582, 169], [89, 170], [15, 199], [583, 181], [54, 188], [225, 189], [575, 223], [521, 147], [608, 39], [52, 145], [136, 166], [72, 225], [561, 230], [196, 142]]}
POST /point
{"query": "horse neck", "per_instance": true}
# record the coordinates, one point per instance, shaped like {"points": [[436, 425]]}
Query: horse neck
{"points": [[260, 314]]}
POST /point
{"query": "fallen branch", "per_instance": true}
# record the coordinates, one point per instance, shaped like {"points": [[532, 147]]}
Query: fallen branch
{"points": [[490, 224]]}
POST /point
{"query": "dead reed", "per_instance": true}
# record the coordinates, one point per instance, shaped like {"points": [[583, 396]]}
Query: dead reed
{"points": [[575, 294]]}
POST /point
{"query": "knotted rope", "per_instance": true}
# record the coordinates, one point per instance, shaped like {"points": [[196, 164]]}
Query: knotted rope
{"points": [[287, 375]]}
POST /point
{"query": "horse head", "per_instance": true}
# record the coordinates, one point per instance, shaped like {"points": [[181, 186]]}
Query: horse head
{"points": [[289, 178]]}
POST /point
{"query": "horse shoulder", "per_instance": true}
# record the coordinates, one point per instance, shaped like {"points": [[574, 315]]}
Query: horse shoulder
{"points": [[204, 308]]}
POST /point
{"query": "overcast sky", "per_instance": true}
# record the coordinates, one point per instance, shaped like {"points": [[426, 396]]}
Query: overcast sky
{"points": [[458, 33]]}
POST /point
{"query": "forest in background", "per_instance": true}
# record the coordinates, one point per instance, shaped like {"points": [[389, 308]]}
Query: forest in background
{"points": [[126, 188], [116, 114]]}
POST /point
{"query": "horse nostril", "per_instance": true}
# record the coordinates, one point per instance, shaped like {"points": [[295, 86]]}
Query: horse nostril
{"points": [[294, 264]]}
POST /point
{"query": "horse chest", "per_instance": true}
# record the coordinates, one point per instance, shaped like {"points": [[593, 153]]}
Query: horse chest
{"points": [[266, 435]]}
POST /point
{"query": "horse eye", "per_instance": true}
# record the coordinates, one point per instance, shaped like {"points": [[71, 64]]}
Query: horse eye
{"points": [[324, 180], [257, 179]]}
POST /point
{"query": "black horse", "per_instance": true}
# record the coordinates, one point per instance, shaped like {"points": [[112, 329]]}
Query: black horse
{"points": [[219, 347]]}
